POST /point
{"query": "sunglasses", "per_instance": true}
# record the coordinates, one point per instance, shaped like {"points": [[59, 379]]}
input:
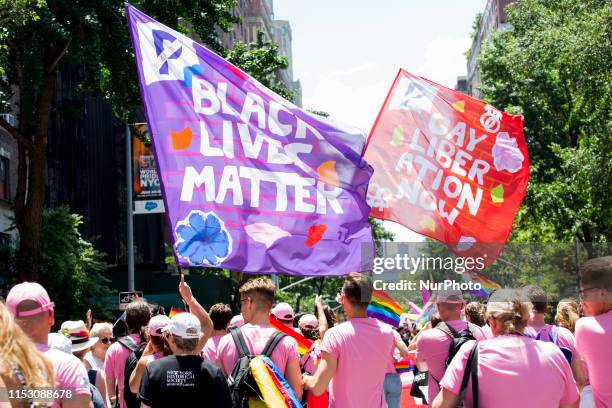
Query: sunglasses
{"points": [[107, 340]]}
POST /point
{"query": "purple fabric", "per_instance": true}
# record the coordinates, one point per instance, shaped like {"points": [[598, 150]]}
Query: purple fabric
{"points": [[250, 181]]}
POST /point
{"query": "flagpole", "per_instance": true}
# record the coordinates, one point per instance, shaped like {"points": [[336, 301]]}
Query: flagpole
{"points": [[129, 206]]}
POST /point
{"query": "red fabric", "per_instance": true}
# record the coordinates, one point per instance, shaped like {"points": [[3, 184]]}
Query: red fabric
{"points": [[446, 165], [322, 401]]}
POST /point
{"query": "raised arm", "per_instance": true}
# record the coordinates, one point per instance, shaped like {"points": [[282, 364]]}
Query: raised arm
{"points": [[323, 323], [198, 311]]}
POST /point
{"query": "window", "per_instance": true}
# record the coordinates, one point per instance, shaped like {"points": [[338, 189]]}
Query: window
{"points": [[5, 192]]}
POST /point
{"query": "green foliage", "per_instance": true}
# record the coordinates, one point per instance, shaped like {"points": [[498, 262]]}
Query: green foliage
{"points": [[71, 266], [554, 68], [260, 59], [476, 26], [94, 34], [70, 269]]}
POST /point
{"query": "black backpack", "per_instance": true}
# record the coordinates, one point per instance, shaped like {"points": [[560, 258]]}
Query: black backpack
{"points": [[458, 339], [241, 383], [131, 399]]}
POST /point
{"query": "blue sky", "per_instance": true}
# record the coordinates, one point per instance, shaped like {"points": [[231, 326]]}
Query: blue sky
{"points": [[347, 53]]}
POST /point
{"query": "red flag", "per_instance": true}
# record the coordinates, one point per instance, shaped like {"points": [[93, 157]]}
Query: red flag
{"points": [[446, 165], [304, 344]]}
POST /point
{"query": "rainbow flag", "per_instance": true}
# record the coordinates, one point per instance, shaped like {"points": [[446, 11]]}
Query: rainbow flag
{"points": [[404, 365], [174, 311], [274, 389], [384, 308], [428, 312], [488, 285], [304, 344]]}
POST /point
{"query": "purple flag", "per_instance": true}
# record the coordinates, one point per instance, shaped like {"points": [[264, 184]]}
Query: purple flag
{"points": [[250, 181]]}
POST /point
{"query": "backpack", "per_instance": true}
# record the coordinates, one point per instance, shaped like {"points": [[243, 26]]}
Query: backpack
{"points": [[458, 339], [554, 338], [241, 383], [131, 399]]}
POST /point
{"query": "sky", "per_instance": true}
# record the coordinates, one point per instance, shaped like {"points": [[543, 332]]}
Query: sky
{"points": [[346, 54]]}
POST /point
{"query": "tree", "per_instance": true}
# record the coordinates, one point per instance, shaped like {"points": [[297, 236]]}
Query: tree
{"points": [[553, 66], [260, 60], [37, 37], [70, 267]]}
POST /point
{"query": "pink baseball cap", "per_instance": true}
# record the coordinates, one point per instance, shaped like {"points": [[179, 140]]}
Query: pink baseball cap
{"points": [[308, 321], [28, 291], [157, 325], [283, 311]]}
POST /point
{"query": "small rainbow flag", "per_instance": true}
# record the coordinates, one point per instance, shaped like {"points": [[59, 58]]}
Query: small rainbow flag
{"points": [[404, 365], [488, 285], [428, 311], [384, 308], [304, 344], [174, 311]]}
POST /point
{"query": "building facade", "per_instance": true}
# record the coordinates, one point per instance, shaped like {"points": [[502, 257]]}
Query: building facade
{"points": [[8, 180], [493, 18]]}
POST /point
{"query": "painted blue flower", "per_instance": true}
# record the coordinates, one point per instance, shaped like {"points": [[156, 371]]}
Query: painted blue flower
{"points": [[202, 239]]}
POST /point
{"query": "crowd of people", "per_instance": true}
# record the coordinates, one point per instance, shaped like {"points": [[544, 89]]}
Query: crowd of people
{"points": [[498, 354]]}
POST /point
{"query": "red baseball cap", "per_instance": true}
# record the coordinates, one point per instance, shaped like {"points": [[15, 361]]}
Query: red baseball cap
{"points": [[28, 291]]}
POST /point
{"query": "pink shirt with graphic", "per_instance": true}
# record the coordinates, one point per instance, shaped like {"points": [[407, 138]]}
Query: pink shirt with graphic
{"points": [[256, 337], [70, 373], [432, 348], [114, 365], [210, 349], [515, 371], [362, 347], [594, 343]]}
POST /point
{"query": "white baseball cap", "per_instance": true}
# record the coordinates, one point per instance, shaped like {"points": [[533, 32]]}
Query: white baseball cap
{"points": [[184, 325]]}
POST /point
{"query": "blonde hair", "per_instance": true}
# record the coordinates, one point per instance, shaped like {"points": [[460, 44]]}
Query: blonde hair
{"points": [[568, 314], [97, 328], [511, 309], [17, 349], [260, 289]]}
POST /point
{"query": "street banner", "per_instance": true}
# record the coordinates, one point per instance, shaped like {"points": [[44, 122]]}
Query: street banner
{"points": [[146, 179], [250, 181], [447, 166]]}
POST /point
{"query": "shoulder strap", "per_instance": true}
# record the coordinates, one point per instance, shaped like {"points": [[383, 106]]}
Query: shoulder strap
{"points": [[272, 343], [128, 343], [474, 364], [554, 334], [447, 329], [471, 369], [238, 338]]}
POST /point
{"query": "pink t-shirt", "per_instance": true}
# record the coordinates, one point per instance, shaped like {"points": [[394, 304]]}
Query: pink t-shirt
{"points": [[515, 371], [114, 364], [486, 330], [362, 347], [594, 343], [210, 349], [256, 337], [565, 338], [432, 348], [394, 351], [70, 373]]}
